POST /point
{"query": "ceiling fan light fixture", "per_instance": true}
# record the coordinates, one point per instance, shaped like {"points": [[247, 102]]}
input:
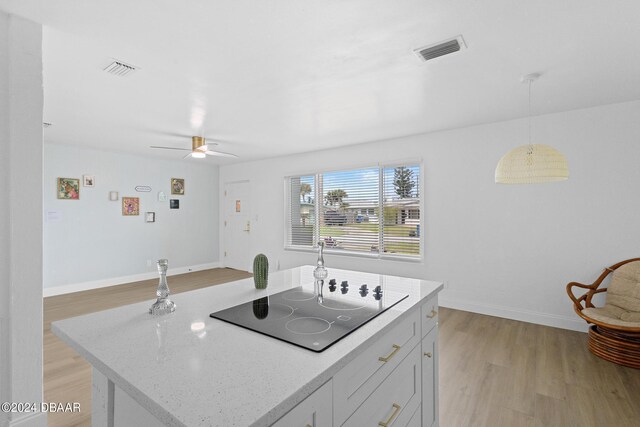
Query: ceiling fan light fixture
{"points": [[199, 149], [197, 143]]}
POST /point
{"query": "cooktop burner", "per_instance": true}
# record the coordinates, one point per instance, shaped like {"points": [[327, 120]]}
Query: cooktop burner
{"points": [[311, 320], [308, 325]]}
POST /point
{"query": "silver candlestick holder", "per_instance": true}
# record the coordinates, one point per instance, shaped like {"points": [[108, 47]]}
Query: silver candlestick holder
{"points": [[163, 304]]}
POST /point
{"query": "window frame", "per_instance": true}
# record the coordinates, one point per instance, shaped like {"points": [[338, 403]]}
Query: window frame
{"points": [[358, 254]]}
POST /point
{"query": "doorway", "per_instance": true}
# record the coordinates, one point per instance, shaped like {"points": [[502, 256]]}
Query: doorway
{"points": [[237, 225]]}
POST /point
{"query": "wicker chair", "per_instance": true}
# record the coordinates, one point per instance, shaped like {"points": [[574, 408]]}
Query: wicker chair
{"points": [[614, 334]]}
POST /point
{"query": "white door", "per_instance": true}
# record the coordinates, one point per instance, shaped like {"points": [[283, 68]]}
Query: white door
{"points": [[237, 225]]}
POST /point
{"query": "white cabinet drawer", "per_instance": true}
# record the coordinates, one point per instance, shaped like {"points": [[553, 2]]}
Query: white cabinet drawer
{"points": [[416, 419], [430, 379], [396, 400], [314, 411], [429, 315], [356, 381]]}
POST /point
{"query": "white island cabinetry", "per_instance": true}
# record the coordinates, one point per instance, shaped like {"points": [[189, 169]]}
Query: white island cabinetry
{"points": [[187, 369], [393, 383], [314, 411]]}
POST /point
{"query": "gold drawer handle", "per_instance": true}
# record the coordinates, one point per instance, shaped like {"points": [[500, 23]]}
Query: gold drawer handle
{"points": [[432, 315], [393, 353], [396, 410], [428, 354]]}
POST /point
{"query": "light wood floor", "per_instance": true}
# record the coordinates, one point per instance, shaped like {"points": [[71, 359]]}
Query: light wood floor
{"points": [[67, 377], [498, 372], [493, 372]]}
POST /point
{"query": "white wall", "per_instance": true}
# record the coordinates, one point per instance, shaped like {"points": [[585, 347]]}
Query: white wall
{"points": [[5, 218], [21, 101], [93, 244], [501, 250]]}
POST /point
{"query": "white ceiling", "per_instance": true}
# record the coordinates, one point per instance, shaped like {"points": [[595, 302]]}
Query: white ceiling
{"points": [[273, 77]]}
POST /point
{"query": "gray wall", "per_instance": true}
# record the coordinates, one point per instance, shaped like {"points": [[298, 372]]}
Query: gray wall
{"points": [[501, 250]]}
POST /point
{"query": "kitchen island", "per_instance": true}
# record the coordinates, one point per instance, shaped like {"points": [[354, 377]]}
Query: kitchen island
{"points": [[188, 369]]}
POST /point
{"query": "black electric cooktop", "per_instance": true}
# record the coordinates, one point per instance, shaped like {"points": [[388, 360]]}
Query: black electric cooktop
{"points": [[313, 320]]}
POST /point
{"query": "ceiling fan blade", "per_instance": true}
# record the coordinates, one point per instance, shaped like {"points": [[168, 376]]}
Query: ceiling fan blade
{"points": [[170, 148], [167, 133], [220, 154]]}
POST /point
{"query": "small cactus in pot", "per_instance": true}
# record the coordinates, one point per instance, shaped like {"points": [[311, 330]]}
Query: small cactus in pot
{"points": [[261, 271]]}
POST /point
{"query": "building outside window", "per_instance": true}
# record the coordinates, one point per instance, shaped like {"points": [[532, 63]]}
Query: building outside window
{"points": [[370, 210]]}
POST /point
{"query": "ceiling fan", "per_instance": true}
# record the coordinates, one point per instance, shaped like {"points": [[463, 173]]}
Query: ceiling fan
{"points": [[199, 149]]}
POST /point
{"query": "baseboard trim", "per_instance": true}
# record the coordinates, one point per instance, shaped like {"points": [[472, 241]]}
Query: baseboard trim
{"points": [[547, 319], [103, 283], [36, 419]]}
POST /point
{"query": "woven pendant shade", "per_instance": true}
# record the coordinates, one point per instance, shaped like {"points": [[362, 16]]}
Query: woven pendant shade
{"points": [[532, 164]]}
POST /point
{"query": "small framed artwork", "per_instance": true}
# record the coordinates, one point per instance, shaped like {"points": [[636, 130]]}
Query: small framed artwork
{"points": [[237, 205], [174, 204], [177, 186], [88, 181], [150, 217], [162, 197], [68, 188], [113, 196], [130, 206]]}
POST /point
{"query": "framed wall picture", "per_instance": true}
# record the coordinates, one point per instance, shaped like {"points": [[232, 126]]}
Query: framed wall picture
{"points": [[113, 196], [88, 181], [68, 188], [130, 206], [150, 217], [174, 204], [177, 186]]}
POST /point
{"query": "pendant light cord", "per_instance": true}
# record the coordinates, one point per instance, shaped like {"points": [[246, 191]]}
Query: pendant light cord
{"points": [[530, 144]]}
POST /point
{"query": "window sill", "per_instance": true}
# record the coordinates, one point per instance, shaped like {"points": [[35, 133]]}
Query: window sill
{"points": [[385, 257]]}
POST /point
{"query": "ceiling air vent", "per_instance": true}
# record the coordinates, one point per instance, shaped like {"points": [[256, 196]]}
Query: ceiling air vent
{"points": [[440, 49], [119, 68]]}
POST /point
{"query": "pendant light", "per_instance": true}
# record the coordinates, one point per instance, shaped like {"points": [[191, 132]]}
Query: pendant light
{"points": [[531, 163]]}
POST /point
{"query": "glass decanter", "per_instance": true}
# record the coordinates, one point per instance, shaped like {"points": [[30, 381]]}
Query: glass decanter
{"points": [[163, 304], [320, 273]]}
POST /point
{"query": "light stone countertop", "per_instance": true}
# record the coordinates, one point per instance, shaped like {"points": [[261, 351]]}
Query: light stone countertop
{"points": [[189, 369]]}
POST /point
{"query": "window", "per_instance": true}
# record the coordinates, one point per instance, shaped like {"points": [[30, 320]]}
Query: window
{"points": [[401, 208], [370, 210], [302, 212]]}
